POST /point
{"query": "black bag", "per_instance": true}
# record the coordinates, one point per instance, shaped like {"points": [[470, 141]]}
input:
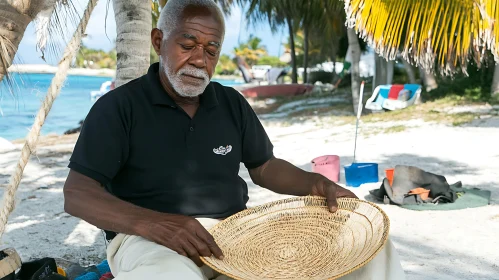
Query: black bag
{"points": [[407, 178]]}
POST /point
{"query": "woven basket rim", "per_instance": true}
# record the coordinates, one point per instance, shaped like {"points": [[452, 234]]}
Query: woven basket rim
{"points": [[245, 212], [10, 263]]}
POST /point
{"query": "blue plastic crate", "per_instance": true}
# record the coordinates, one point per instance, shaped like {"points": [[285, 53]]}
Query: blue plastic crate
{"points": [[361, 173]]}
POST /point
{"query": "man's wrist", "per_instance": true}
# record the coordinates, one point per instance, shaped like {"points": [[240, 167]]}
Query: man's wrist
{"points": [[313, 180], [141, 225]]}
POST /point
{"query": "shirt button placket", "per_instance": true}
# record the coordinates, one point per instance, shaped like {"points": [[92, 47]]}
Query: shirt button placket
{"points": [[190, 137]]}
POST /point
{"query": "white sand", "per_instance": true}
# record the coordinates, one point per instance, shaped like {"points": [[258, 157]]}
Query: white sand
{"points": [[45, 68], [460, 244]]}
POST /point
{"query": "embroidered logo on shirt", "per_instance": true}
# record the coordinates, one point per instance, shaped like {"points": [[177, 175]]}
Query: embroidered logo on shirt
{"points": [[223, 150]]}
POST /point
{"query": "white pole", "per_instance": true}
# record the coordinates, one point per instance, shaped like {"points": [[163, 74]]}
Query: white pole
{"points": [[359, 112]]}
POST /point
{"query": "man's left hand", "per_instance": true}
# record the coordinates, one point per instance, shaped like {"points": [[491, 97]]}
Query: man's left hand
{"points": [[331, 191]]}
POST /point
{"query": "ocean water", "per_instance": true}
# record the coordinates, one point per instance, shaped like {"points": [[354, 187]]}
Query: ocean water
{"points": [[19, 108]]}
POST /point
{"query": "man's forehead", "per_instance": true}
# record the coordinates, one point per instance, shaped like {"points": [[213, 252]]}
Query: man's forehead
{"points": [[208, 18]]}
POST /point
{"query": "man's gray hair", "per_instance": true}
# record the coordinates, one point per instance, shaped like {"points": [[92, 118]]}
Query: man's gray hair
{"points": [[171, 14]]}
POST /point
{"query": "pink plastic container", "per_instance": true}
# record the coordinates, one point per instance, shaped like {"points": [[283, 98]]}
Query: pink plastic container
{"points": [[328, 166]]}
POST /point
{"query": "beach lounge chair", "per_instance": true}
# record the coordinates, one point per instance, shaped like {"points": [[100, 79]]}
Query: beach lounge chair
{"points": [[275, 75], [393, 97]]}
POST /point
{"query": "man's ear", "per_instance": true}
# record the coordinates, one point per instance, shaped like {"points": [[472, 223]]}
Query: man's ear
{"points": [[156, 39]]}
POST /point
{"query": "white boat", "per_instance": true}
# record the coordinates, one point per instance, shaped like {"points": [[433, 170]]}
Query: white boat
{"points": [[104, 88]]}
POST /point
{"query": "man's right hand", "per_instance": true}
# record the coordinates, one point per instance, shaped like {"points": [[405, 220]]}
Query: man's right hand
{"points": [[85, 198], [183, 234]]}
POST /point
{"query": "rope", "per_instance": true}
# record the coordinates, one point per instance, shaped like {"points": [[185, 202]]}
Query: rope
{"points": [[32, 137]]}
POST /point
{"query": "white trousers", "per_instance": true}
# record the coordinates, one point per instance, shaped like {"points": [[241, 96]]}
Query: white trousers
{"points": [[133, 257]]}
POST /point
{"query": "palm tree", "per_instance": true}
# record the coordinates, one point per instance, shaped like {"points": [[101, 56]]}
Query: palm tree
{"points": [[433, 34], [225, 66], [307, 22], [316, 18], [277, 13], [15, 17], [255, 43], [354, 49], [316, 14], [410, 71], [251, 51], [320, 19], [316, 53], [495, 83], [429, 80], [133, 27]]}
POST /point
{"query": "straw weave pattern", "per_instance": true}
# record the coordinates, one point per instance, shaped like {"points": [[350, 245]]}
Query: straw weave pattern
{"points": [[298, 238]]}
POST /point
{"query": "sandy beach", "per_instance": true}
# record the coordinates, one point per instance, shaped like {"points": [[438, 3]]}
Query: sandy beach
{"points": [[48, 69], [460, 244]]}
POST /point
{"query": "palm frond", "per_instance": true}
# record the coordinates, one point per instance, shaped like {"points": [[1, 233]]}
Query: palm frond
{"points": [[52, 27], [433, 34], [274, 12], [51, 18], [491, 36], [7, 53], [226, 5]]}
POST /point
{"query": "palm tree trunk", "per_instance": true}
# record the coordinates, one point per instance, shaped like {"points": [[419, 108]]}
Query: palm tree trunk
{"points": [[133, 29], [495, 83], [305, 54], [389, 71], [294, 75], [429, 80], [380, 71], [354, 48], [410, 71], [14, 18]]}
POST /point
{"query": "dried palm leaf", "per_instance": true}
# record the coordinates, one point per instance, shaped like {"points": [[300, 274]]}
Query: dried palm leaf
{"points": [[429, 33], [52, 18]]}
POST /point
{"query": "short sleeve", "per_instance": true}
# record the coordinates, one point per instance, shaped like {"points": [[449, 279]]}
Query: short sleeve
{"points": [[257, 147], [102, 147]]}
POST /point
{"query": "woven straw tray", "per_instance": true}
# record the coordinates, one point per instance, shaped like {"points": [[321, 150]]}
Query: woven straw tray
{"points": [[298, 238]]}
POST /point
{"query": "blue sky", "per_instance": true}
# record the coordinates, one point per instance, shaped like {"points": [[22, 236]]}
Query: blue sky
{"points": [[97, 38]]}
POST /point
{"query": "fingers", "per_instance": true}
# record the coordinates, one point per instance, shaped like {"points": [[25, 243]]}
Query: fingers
{"points": [[192, 252], [332, 204], [206, 237], [342, 192], [201, 246]]}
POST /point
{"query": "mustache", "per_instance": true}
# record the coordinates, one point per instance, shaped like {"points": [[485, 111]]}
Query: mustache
{"points": [[193, 71]]}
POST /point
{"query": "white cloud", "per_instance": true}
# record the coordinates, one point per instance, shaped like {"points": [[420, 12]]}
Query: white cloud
{"points": [[101, 30], [233, 23]]}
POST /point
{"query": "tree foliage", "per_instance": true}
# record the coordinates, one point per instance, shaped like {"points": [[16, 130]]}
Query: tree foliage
{"points": [[251, 51], [225, 66], [433, 34], [91, 58]]}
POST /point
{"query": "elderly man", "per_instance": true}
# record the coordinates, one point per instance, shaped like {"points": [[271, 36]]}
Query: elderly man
{"points": [[157, 160]]}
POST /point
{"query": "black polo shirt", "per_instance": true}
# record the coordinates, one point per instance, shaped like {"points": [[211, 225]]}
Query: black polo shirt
{"points": [[146, 150]]}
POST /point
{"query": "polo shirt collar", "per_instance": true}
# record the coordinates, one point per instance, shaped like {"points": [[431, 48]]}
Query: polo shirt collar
{"points": [[159, 96]]}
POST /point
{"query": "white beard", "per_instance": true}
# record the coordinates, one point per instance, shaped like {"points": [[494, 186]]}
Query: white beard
{"points": [[175, 79]]}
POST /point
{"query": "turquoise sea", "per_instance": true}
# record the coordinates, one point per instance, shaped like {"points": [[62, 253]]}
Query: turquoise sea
{"points": [[19, 108]]}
